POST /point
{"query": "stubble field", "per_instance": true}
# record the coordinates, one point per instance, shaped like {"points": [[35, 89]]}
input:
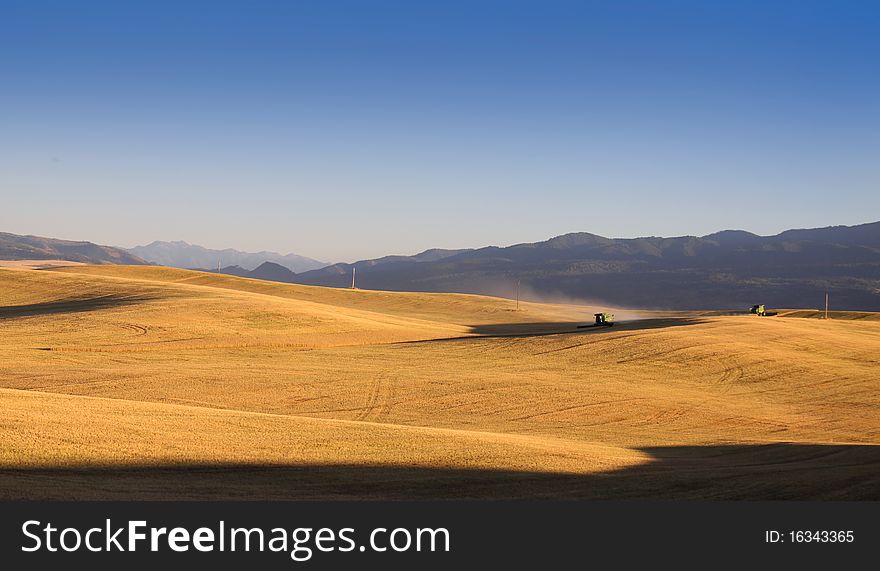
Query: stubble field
{"points": [[154, 383]]}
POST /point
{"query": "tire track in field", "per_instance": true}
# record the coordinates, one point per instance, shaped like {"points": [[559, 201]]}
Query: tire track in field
{"points": [[576, 407], [134, 327], [379, 402], [732, 372]]}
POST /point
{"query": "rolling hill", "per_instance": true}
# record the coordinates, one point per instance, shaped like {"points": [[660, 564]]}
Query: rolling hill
{"points": [[126, 382], [15, 247], [725, 270]]}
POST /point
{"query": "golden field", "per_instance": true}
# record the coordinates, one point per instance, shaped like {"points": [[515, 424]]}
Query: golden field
{"points": [[156, 383]]}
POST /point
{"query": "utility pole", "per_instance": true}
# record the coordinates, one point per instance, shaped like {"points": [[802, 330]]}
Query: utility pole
{"points": [[218, 266], [826, 305], [353, 270], [517, 295]]}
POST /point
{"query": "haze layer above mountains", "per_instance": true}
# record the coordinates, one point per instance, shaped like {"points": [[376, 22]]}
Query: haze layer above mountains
{"points": [[725, 270]]}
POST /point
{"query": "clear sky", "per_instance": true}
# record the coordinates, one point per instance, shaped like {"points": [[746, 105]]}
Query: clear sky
{"points": [[345, 130]]}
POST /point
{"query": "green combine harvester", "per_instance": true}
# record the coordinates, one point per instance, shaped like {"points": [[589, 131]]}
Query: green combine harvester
{"points": [[758, 310], [602, 320]]}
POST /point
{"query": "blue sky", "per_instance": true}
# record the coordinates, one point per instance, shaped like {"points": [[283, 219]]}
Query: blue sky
{"points": [[345, 130]]}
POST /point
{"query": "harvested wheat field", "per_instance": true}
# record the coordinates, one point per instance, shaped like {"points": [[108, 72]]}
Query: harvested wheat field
{"points": [[155, 383]]}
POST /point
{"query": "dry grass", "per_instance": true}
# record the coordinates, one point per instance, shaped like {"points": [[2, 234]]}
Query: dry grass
{"points": [[139, 370], [37, 264]]}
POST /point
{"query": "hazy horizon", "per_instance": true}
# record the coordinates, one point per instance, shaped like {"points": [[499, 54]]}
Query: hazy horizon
{"points": [[344, 131], [412, 252]]}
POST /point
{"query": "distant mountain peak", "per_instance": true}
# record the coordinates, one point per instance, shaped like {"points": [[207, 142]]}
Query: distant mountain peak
{"points": [[271, 266], [16, 247], [732, 237], [180, 254], [272, 272], [573, 239], [731, 233]]}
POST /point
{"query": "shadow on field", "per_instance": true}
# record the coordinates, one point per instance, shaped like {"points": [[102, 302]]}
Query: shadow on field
{"points": [[728, 472], [72, 305], [554, 328]]}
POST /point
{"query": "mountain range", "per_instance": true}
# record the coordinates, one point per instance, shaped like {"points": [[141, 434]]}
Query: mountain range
{"points": [[16, 247], [189, 256], [726, 270], [731, 269]]}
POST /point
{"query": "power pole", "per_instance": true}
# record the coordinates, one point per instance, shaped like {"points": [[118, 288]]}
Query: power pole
{"points": [[826, 305], [218, 266], [353, 270], [517, 295]]}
